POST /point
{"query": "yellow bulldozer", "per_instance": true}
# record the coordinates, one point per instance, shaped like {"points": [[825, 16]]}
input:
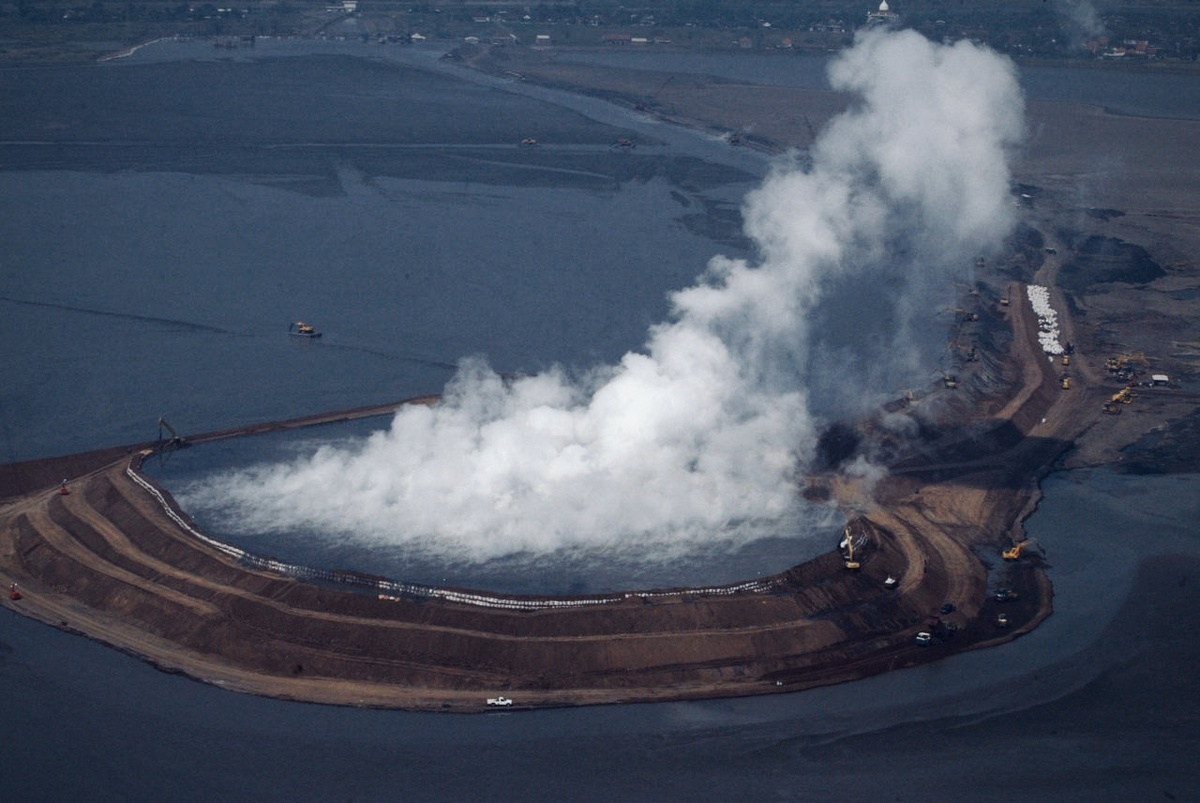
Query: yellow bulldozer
{"points": [[1014, 552]]}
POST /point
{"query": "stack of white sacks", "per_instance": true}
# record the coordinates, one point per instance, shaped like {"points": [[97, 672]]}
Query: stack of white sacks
{"points": [[1039, 299]]}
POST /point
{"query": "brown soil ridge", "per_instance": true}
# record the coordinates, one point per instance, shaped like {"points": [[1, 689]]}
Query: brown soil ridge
{"points": [[109, 561]]}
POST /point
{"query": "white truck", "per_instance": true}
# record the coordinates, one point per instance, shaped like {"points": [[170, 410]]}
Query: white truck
{"points": [[502, 701]]}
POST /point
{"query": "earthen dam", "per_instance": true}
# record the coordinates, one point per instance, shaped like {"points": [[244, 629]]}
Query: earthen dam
{"points": [[116, 559]]}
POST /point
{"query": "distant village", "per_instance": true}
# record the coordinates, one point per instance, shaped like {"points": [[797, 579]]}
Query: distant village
{"points": [[1142, 31], [1029, 29]]}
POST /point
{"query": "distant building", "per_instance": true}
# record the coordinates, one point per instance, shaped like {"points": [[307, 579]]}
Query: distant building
{"points": [[883, 15]]}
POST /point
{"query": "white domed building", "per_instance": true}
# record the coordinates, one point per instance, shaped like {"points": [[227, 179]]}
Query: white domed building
{"points": [[884, 14]]}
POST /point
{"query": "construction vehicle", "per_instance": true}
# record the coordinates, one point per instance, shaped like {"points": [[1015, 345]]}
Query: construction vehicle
{"points": [[1121, 360], [963, 314], [1066, 359], [13, 593], [176, 440], [1126, 366], [906, 398], [1112, 408], [970, 352], [1065, 382], [949, 379], [851, 563], [1123, 396], [1014, 552], [1002, 620], [848, 545]]}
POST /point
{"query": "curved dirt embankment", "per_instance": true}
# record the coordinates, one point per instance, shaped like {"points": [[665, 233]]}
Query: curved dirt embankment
{"points": [[108, 560]]}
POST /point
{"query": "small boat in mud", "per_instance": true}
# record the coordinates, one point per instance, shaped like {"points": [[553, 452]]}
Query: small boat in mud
{"points": [[302, 329]]}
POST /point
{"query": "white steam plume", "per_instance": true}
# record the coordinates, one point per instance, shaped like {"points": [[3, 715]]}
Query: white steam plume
{"points": [[1080, 21], [699, 437]]}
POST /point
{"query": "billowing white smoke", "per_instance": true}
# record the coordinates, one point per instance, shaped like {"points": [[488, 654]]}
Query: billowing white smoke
{"points": [[699, 438], [1080, 21]]}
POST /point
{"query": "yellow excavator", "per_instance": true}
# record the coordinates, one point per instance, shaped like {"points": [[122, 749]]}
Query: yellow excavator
{"points": [[176, 439], [1014, 552], [963, 314], [1122, 360], [848, 555]]}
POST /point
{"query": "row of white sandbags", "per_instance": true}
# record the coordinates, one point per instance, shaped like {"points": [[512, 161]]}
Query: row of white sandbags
{"points": [[1039, 299]]}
